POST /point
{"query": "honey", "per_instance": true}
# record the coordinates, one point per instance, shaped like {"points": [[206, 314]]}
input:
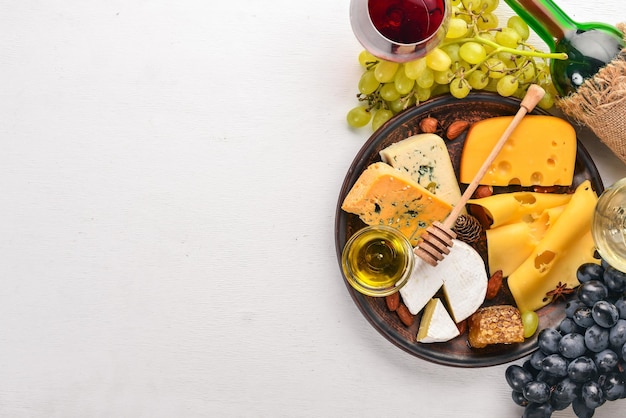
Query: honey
{"points": [[377, 260]]}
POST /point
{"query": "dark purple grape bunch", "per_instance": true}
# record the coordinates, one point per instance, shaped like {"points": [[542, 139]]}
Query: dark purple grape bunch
{"points": [[582, 362]]}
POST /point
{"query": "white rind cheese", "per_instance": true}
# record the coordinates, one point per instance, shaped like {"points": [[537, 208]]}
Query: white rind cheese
{"points": [[462, 274], [436, 325], [465, 281], [426, 159], [424, 282]]}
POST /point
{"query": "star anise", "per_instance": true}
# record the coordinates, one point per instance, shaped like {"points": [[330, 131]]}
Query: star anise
{"points": [[559, 292]]}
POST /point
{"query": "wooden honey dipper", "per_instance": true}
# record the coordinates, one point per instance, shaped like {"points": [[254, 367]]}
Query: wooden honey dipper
{"points": [[436, 241]]}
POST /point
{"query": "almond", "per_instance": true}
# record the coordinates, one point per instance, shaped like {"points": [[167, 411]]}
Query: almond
{"points": [[405, 316], [483, 191], [494, 285], [429, 125], [479, 213], [456, 128], [393, 301]]}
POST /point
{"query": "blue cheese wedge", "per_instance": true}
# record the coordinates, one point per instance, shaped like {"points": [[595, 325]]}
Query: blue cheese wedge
{"points": [[436, 325], [462, 275], [384, 196], [426, 159]]}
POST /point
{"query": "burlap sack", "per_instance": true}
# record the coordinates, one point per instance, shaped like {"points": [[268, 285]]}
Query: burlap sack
{"points": [[600, 104]]}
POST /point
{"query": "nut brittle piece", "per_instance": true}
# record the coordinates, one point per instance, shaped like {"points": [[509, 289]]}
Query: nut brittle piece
{"points": [[501, 324]]}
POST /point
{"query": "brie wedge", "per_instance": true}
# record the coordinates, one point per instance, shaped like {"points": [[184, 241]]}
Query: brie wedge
{"points": [[436, 326], [462, 274], [424, 282], [465, 280]]}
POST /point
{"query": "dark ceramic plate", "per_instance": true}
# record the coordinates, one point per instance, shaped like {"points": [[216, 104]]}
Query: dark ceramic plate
{"points": [[446, 109]]}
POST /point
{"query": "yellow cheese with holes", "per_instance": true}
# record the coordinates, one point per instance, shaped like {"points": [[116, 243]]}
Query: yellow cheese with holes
{"points": [[509, 245], [540, 151], [507, 208], [565, 246], [384, 196]]}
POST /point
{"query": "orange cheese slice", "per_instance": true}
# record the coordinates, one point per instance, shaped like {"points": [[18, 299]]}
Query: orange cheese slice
{"points": [[384, 196], [540, 151]]}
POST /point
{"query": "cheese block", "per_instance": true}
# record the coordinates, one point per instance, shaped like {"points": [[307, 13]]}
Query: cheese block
{"points": [[436, 325], [509, 245], [384, 196], [540, 151], [565, 246], [462, 275], [506, 208], [425, 158]]}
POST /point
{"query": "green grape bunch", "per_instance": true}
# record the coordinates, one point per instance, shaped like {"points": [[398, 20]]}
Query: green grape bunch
{"points": [[477, 54]]}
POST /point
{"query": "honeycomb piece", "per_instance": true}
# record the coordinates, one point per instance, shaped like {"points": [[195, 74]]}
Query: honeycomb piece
{"points": [[501, 324]]}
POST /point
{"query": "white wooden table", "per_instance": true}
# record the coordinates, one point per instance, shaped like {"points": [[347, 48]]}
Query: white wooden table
{"points": [[169, 172]]}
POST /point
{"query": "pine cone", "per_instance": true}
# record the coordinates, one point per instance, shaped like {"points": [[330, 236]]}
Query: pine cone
{"points": [[468, 228]]}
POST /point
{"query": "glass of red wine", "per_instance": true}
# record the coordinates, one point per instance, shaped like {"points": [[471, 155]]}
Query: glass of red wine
{"points": [[399, 30]]}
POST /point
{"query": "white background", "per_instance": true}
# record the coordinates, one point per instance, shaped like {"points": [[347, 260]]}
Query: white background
{"points": [[169, 172]]}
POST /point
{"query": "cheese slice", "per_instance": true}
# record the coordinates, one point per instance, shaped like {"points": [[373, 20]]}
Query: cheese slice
{"points": [[465, 291], [462, 275], [506, 208], [540, 151], [565, 246], [436, 325], [424, 282], [508, 246], [425, 158], [384, 196]]}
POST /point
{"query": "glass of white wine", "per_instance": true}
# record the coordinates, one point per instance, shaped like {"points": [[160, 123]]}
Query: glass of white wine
{"points": [[609, 225], [399, 30]]}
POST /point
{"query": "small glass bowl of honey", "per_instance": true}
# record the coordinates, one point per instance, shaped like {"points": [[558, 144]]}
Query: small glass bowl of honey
{"points": [[377, 260]]}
